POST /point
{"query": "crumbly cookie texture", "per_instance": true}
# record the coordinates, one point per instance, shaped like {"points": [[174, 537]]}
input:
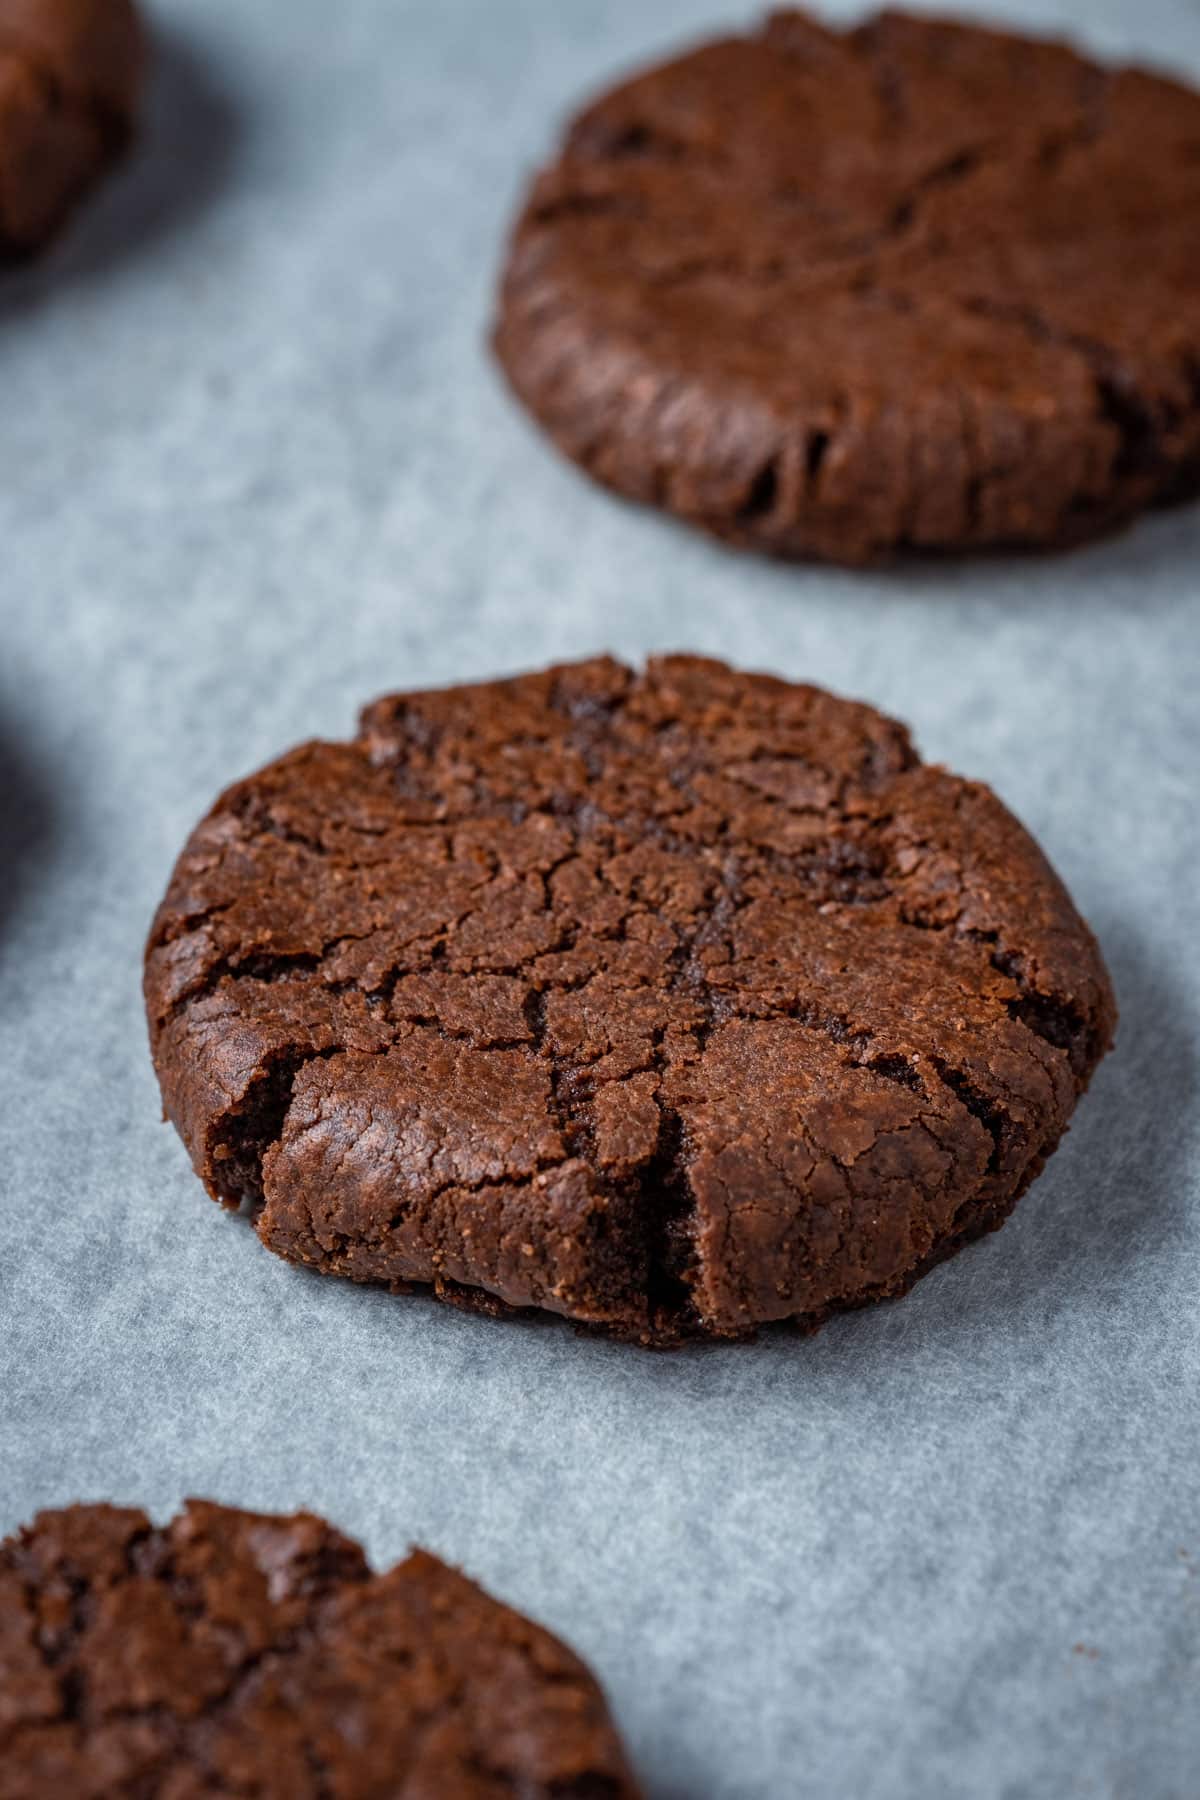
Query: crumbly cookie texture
{"points": [[239, 1653], [916, 286], [674, 1002], [71, 74]]}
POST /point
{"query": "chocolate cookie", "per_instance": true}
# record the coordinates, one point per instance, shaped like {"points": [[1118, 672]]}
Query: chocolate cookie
{"points": [[674, 1002], [913, 286], [70, 76], [237, 1653]]}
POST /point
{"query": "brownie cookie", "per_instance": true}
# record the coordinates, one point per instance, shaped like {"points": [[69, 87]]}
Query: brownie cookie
{"points": [[238, 1653], [674, 1002], [70, 76], [912, 286]]}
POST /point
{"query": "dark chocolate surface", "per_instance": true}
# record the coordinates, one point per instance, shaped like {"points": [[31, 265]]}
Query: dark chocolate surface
{"points": [[676, 1002], [913, 286], [244, 1653]]}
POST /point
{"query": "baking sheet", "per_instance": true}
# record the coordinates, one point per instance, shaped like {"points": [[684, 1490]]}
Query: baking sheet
{"points": [[255, 468]]}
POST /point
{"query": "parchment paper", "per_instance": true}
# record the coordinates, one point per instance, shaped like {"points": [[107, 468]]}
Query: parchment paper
{"points": [[255, 468]]}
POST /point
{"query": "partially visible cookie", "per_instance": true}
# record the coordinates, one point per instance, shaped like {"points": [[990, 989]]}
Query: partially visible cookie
{"points": [[240, 1653], [674, 1002], [912, 286], [70, 78]]}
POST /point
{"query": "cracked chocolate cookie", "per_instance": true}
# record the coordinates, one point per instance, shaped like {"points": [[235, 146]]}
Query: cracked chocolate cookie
{"points": [[913, 286], [70, 77], [674, 1002], [240, 1653]]}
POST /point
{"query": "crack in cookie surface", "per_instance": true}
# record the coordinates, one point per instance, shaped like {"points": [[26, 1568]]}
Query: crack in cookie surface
{"points": [[675, 1002]]}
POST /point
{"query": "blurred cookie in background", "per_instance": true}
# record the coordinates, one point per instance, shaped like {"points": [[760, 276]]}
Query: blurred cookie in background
{"points": [[71, 75]]}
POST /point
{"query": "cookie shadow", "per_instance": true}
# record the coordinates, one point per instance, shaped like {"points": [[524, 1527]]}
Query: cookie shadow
{"points": [[26, 825], [186, 145], [1094, 574]]}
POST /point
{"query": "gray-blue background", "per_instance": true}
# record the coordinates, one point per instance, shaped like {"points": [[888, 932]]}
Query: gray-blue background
{"points": [[255, 468]]}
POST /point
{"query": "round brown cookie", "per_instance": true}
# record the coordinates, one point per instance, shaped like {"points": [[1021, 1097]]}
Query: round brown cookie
{"points": [[238, 1653], [70, 77], [914, 286], [674, 1002]]}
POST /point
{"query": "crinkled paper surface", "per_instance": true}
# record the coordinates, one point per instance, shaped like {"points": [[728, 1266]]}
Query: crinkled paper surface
{"points": [[255, 468]]}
